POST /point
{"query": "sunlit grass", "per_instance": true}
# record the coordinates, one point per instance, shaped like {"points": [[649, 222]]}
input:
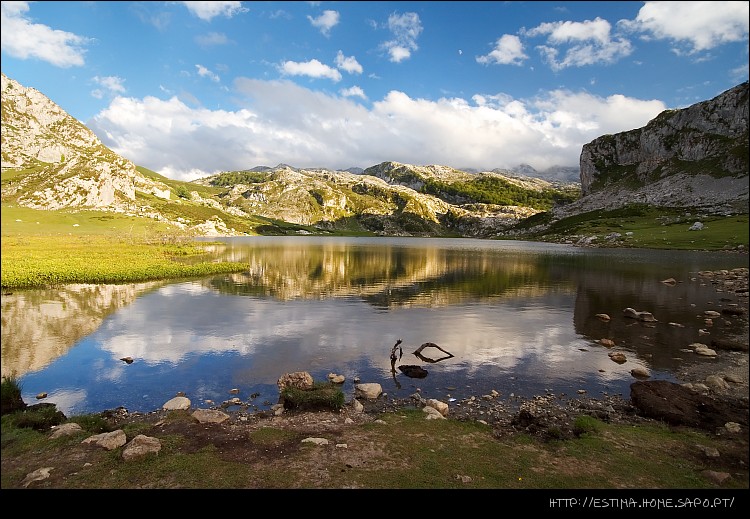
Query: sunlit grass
{"points": [[44, 248], [35, 261]]}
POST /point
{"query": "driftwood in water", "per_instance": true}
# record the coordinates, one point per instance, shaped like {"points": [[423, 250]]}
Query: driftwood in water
{"points": [[418, 352]]}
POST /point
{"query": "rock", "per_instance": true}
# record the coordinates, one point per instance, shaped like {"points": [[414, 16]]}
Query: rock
{"points": [[441, 407], [357, 406], [336, 379], [108, 440], [716, 382], [369, 391], [704, 351], [730, 345], [37, 475], [432, 413], [609, 343], [679, 405], [66, 429], [316, 441], [618, 357], [640, 372], [141, 446], [299, 380], [717, 477], [639, 315], [178, 403], [603, 317], [209, 416]]}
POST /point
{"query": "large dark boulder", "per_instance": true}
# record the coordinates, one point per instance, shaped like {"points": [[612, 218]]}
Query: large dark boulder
{"points": [[679, 405]]}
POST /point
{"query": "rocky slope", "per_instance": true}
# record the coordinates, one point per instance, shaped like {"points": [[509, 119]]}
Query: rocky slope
{"points": [[388, 199], [692, 157], [64, 163]]}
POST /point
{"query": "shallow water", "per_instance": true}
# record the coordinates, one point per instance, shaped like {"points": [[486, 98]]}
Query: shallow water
{"points": [[517, 317]]}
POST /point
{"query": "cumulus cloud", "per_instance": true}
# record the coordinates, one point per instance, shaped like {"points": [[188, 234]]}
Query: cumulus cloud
{"points": [[349, 64], [354, 91], [406, 28], [284, 122], [204, 72], [508, 51], [23, 39], [700, 26], [588, 43], [209, 10], [312, 68], [325, 22]]}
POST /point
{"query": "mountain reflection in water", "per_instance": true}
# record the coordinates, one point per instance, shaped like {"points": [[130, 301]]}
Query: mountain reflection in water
{"points": [[517, 317]]}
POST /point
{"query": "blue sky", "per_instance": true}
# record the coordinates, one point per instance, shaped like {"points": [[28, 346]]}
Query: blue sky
{"points": [[189, 89]]}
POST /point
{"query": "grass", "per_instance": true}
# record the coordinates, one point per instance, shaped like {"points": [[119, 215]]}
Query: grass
{"points": [[323, 395], [44, 248], [403, 451], [647, 228]]}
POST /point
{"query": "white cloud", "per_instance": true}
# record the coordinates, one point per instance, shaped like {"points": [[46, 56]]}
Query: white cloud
{"points": [[589, 43], [284, 122], [700, 25], [406, 28], [349, 64], [204, 72], [212, 38], [209, 10], [565, 32], [354, 91], [325, 22], [113, 84], [22, 39], [312, 68], [508, 51]]}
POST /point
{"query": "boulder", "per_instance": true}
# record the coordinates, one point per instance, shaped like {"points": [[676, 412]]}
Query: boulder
{"points": [[679, 405]]}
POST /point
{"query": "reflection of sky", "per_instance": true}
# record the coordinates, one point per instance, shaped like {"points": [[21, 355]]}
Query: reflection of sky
{"points": [[193, 338], [207, 342]]}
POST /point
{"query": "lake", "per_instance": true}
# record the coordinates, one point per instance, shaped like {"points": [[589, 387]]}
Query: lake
{"points": [[516, 317]]}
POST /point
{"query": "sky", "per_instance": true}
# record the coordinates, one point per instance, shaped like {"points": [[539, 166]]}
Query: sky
{"points": [[190, 89]]}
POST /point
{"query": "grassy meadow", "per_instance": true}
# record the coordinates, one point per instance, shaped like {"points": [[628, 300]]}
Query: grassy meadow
{"points": [[43, 248], [648, 228]]}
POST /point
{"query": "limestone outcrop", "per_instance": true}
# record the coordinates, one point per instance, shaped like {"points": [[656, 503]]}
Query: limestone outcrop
{"points": [[696, 156]]}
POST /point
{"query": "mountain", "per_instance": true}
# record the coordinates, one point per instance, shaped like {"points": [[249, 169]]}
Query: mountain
{"points": [[64, 163], [695, 157], [51, 161], [389, 198], [692, 157]]}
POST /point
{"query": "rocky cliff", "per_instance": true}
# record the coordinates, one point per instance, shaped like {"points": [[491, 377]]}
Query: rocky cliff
{"points": [[59, 162], [693, 157]]}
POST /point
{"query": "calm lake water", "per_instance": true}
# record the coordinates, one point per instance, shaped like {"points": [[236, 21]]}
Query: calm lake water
{"points": [[517, 317]]}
